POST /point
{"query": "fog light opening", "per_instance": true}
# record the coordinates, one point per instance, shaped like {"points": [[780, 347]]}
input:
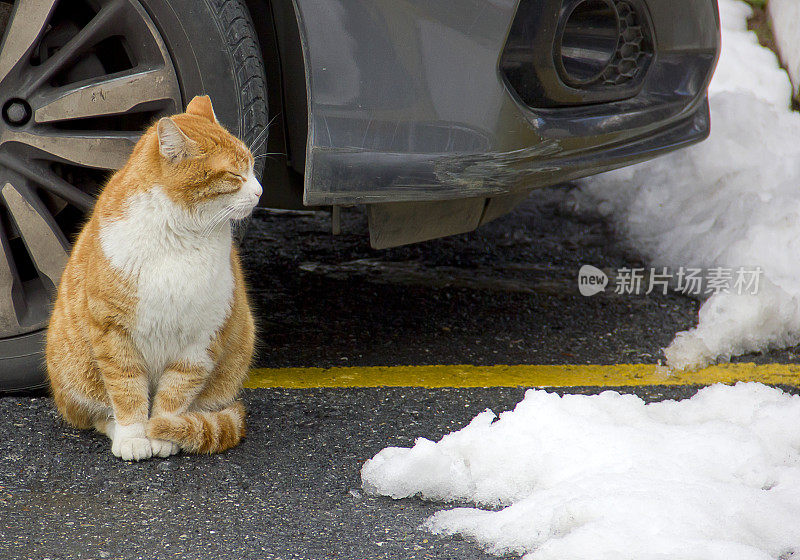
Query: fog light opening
{"points": [[588, 41]]}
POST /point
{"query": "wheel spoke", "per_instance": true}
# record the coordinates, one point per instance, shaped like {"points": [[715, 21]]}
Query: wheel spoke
{"points": [[96, 30], [107, 96], [26, 26], [11, 299], [42, 237], [99, 150], [49, 181]]}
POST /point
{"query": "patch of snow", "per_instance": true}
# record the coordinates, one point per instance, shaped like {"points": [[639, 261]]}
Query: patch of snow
{"points": [[784, 16], [731, 201], [744, 65], [714, 477]]}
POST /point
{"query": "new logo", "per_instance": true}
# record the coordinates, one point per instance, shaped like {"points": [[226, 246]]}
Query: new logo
{"points": [[591, 280]]}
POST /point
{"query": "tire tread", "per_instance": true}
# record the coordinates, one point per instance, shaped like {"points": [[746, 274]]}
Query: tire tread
{"points": [[242, 44]]}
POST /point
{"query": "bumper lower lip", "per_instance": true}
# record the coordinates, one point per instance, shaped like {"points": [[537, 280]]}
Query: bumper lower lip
{"points": [[443, 176]]}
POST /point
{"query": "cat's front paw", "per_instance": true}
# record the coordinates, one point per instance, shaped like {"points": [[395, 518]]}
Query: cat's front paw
{"points": [[163, 448], [132, 449], [130, 443]]}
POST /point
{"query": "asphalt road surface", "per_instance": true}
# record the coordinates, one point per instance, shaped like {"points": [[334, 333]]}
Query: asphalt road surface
{"points": [[506, 294]]}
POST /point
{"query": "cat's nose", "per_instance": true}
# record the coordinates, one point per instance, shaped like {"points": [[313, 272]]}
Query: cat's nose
{"points": [[255, 187]]}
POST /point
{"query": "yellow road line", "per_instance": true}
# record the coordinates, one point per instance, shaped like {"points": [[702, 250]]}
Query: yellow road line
{"points": [[516, 376]]}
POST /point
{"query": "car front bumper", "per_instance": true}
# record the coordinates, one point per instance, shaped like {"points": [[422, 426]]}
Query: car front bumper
{"points": [[408, 101]]}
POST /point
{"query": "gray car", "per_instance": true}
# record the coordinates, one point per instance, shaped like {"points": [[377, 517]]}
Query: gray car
{"points": [[436, 115]]}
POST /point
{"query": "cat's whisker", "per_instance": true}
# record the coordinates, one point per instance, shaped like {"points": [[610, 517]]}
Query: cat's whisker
{"points": [[221, 215], [223, 218], [217, 219], [208, 224], [256, 144], [258, 141], [269, 155]]}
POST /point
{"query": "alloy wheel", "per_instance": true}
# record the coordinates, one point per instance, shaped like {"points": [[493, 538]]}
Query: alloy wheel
{"points": [[79, 80]]}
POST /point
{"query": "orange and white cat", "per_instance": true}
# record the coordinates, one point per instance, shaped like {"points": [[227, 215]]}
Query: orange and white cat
{"points": [[151, 336]]}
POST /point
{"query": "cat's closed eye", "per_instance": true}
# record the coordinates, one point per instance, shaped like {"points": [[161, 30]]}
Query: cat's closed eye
{"points": [[235, 176]]}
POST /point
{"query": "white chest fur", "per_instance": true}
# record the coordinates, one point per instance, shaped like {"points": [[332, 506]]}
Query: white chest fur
{"points": [[184, 281]]}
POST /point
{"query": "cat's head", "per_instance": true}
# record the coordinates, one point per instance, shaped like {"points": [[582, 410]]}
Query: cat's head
{"points": [[203, 167]]}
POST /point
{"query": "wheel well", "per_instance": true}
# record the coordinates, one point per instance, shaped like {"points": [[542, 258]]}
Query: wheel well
{"points": [[275, 23]]}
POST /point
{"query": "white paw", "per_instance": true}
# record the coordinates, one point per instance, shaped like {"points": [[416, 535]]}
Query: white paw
{"points": [[163, 448], [132, 449], [130, 443]]}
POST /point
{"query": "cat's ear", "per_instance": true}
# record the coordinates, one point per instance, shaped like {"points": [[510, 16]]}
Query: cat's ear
{"points": [[201, 106], [173, 144]]}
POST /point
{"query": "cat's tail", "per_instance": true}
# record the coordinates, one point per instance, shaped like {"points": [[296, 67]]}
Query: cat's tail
{"points": [[201, 432]]}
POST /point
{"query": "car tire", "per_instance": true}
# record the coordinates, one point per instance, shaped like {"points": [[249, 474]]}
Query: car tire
{"points": [[55, 153]]}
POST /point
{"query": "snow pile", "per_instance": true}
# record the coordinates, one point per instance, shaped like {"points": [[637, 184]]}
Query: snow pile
{"points": [[715, 477], [731, 201], [785, 18], [745, 66]]}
